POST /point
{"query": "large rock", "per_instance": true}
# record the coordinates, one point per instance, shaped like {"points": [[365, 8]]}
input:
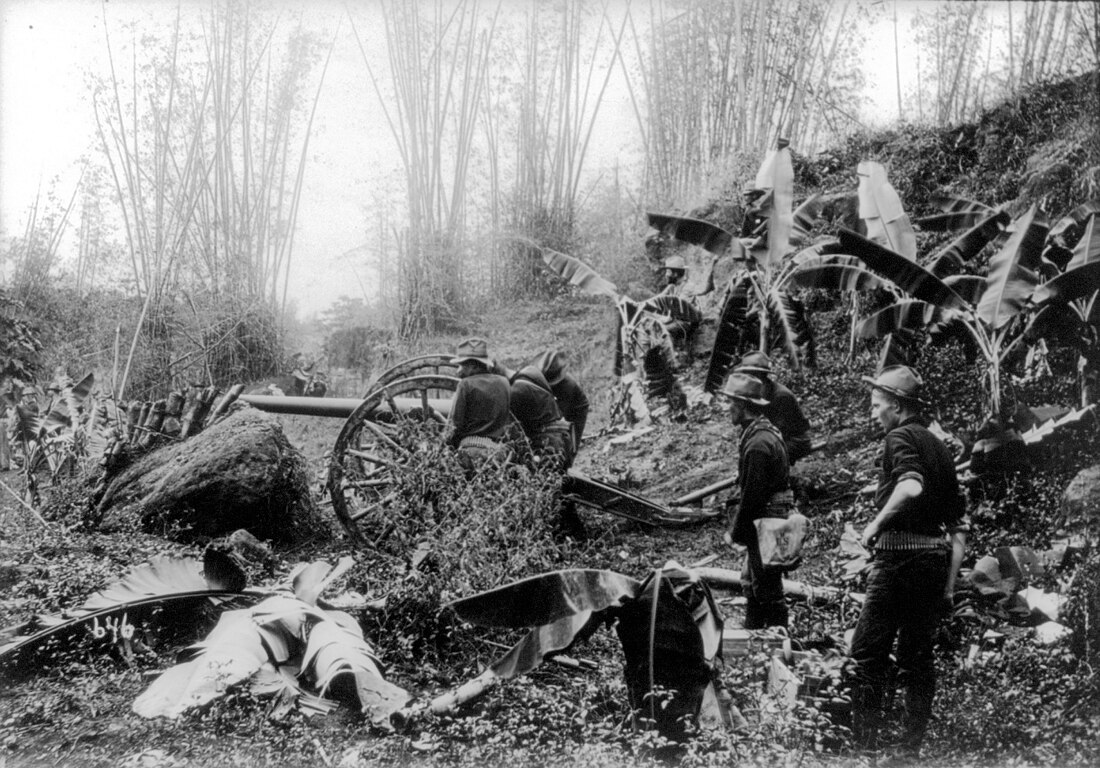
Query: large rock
{"points": [[1081, 502], [240, 473]]}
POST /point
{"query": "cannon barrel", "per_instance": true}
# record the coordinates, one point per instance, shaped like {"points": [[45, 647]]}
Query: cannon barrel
{"points": [[335, 407]]}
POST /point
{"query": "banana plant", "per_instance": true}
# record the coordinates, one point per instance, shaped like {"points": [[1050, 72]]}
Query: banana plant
{"points": [[668, 624], [645, 358], [760, 308], [1068, 306], [988, 310]]}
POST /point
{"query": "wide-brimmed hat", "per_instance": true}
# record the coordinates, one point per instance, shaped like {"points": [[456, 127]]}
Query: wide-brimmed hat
{"points": [[754, 362], [473, 349], [676, 262], [742, 386], [552, 366], [901, 381]]}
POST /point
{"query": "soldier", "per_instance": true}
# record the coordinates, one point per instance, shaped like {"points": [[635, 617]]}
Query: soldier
{"points": [[533, 405], [783, 410], [763, 480], [572, 402], [675, 274], [479, 410], [918, 537], [29, 401]]}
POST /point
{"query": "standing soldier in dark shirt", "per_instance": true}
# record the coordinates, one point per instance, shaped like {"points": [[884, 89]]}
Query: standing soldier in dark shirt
{"points": [[533, 405], [783, 410], [763, 479], [918, 537], [479, 411], [572, 402]]}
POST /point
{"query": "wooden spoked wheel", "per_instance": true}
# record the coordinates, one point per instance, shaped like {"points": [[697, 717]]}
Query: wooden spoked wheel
{"points": [[425, 365], [372, 447]]}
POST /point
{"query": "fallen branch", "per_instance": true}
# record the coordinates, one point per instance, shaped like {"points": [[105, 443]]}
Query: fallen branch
{"points": [[730, 579]]}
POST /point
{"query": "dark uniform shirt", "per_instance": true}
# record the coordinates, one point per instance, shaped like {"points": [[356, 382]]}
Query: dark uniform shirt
{"points": [[532, 402], [573, 405], [480, 408], [912, 452], [784, 412], [762, 471]]}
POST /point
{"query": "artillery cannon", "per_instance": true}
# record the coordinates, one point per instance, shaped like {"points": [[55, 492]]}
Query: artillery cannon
{"points": [[369, 450]]}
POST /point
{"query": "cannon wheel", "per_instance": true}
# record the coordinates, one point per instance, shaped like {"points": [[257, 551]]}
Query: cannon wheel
{"points": [[425, 365], [366, 453]]}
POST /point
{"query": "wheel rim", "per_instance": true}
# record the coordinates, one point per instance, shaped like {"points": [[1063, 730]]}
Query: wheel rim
{"points": [[368, 450], [425, 365]]}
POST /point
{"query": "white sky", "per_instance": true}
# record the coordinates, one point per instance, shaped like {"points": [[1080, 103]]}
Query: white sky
{"points": [[46, 122]]}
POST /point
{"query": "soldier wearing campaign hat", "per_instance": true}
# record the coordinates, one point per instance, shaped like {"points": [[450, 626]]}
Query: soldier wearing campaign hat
{"points": [[572, 402], [782, 410], [764, 482], [918, 536], [480, 408]]}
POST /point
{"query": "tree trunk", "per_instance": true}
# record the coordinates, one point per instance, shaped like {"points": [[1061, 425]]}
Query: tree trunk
{"points": [[240, 473]]}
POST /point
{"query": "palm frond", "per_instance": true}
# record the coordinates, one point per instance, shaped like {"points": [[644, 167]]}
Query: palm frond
{"points": [[1087, 249], [958, 213], [777, 174], [804, 218], [837, 276]]}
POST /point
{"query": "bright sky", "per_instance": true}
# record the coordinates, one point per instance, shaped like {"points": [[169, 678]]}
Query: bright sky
{"points": [[46, 122]]}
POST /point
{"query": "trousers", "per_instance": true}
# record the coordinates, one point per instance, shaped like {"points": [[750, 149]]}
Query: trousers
{"points": [[765, 604], [903, 603]]}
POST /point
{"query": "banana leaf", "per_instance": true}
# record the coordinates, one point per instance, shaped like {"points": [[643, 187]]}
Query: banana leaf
{"points": [[579, 274], [906, 274], [906, 315], [1009, 283], [802, 221], [970, 287], [836, 277], [664, 650], [704, 234], [333, 650], [1087, 249], [962, 249], [231, 653], [1068, 230], [730, 336], [777, 174], [659, 366], [546, 598], [310, 579], [881, 211], [163, 582], [543, 642], [958, 213], [793, 326], [1078, 283], [676, 308]]}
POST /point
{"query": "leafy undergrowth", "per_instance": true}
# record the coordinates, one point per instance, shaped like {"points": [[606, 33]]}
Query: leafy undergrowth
{"points": [[1019, 704]]}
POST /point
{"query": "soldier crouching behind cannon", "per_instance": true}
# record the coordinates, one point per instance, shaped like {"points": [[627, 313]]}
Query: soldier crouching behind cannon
{"points": [[534, 406], [480, 409]]}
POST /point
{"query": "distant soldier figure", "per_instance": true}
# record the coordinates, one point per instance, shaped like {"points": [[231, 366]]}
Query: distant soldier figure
{"points": [[782, 410], [534, 406], [675, 269], [763, 479], [29, 401], [479, 410], [918, 537], [572, 402]]}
